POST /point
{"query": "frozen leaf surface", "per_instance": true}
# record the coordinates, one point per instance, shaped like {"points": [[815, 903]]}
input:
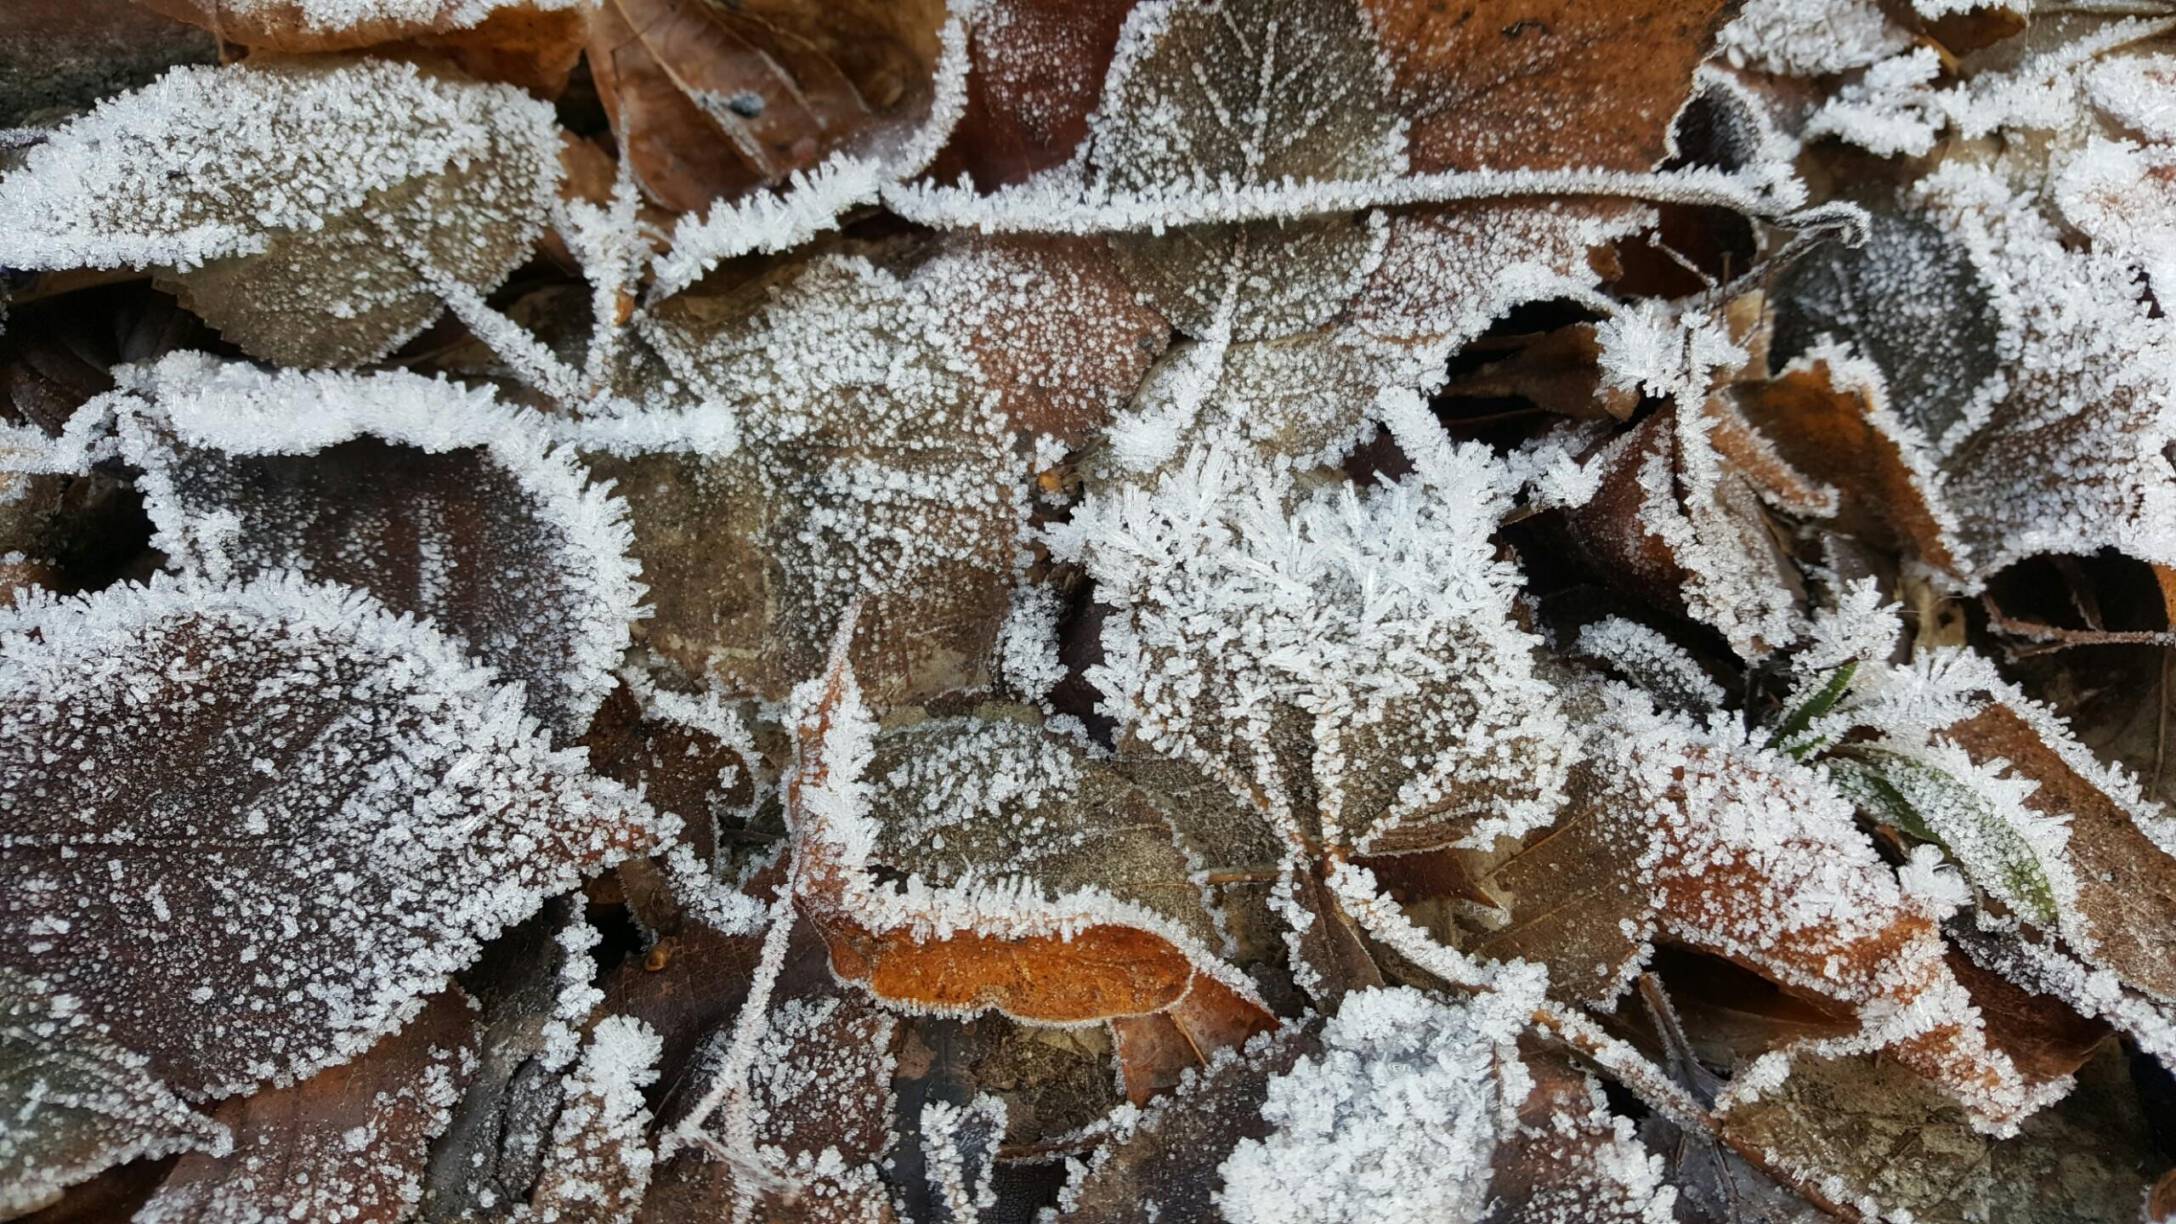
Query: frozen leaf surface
{"points": [[348, 1142], [1361, 619], [435, 499], [871, 469], [303, 207], [1032, 884], [250, 827], [1204, 96], [77, 1102]]}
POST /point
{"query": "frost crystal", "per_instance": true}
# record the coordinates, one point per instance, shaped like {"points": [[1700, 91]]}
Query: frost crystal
{"points": [[1374, 623], [1394, 1121]]}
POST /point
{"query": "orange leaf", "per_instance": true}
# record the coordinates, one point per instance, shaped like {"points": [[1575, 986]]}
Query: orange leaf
{"points": [[973, 944]]}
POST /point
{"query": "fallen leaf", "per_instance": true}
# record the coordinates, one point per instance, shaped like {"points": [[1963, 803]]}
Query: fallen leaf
{"points": [[392, 180], [289, 894], [1249, 93], [867, 473], [435, 500], [348, 1141]]}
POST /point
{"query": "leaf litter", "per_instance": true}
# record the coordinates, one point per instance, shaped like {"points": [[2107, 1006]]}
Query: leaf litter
{"points": [[1290, 610]]}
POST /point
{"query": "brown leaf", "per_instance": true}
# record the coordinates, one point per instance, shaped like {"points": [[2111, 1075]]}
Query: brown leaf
{"points": [[1567, 896], [81, 1104], [1088, 916], [1569, 1157], [1843, 434], [1166, 125], [233, 874], [1155, 1051], [1166, 1166], [447, 513], [2045, 1038], [1053, 327], [1885, 1136], [1543, 84], [712, 100], [1035, 69], [869, 473], [2126, 882], [348, 1142], [821, 1082], [1661, 495], [517, 42], [61, 55]]}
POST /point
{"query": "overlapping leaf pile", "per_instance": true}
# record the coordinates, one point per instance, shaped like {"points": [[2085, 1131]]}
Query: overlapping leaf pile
{"points": [[1087, 610]]}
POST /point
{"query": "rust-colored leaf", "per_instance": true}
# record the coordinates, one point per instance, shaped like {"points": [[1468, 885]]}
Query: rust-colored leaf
{"points": [[346, 1143]]}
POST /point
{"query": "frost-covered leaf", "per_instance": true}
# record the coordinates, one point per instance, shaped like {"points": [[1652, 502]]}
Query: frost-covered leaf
{"points": [[2030, 875], [434, 499], [1030, 878], [78, 1103], [1329, 656], [870, 469], [1203, 97], [599, 1164], [1449, 272], [1570, 1158], [1503, 84], [250, 827], [303, 207], [347, 1143], [2074, 456], [1892, 1147], [692, 754], [1741, 851], [791, 1108], [1037, 69], [1299, 401], [709, 101], [1051, 325], [2118, 844]]}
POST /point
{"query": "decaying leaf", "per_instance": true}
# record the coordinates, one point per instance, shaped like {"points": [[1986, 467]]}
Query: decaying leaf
{"points": [[1249, 93], [868, 472], [343, 808], [1031, 884]]}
